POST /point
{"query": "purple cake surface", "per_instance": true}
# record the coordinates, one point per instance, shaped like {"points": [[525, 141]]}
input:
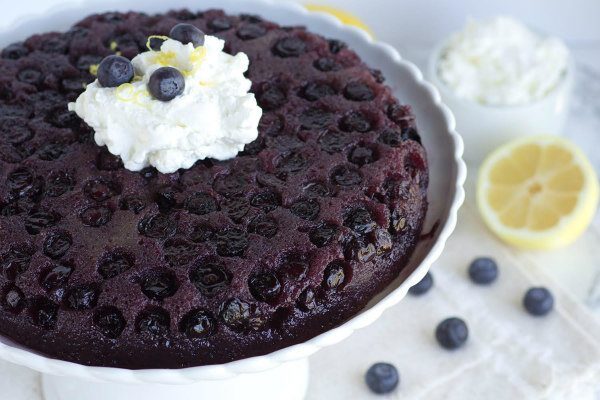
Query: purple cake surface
{"points": [[103, 266]]}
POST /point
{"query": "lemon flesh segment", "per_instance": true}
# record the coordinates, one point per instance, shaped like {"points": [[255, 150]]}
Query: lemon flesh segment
{"points": [[538, 192], [344, 16]]}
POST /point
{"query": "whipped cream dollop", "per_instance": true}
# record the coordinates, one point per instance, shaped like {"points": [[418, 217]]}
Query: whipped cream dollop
{"points": [[501, 62], [215, 117]]}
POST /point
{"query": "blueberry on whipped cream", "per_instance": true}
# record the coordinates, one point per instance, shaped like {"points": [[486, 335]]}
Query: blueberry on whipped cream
{"points": [[187, 33], [166, 83], [115, 71], [187, 101]]}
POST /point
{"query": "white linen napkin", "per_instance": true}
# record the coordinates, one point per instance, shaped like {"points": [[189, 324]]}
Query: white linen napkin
{"points": [[509, 354]]}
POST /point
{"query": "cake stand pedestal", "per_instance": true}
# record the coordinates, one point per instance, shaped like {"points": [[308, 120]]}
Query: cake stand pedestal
{"points": [[288, 381]]}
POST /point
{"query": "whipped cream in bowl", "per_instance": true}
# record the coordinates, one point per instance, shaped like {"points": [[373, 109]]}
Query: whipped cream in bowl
{"points": [[502, 80], [214, 117]]}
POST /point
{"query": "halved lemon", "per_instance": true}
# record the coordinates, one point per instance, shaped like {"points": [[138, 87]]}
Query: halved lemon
{"points": [[344, 16], [538, 192]]}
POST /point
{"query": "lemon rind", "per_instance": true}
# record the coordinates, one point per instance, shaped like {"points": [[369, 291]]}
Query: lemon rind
{"points": [[570, 226]]}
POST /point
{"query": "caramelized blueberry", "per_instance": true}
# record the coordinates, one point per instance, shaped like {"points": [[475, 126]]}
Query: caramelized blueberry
{"points": [[315, 118], [263, 226], [82, 297], [13, 299], [307, 300], [361, 155], [316, 90], [154, 322], [345, 175], [289, 47], [157, 226], [219, 24], [178, 252], [44, 312], [271, 97], [201, 233], [267, 201], [334, 275], [159, 285], [198, 324], [251, 31], [231, 242], [101, 190], [359, 220], [96, 216], [56, 277], [37, 221], [355, 121], [15, 262], [132, 203], [210, 279], [114, 263], [264, 287], [358, 91], [323, 234], [325, 64], [306, 209], [109, 321], [201, 204]]}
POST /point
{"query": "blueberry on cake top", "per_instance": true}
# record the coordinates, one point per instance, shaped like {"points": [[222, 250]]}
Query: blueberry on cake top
{"points": [[227, 259]]}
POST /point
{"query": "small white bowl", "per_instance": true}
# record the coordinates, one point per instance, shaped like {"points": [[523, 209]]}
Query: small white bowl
{"points": [[282, 374], [485, 127]]}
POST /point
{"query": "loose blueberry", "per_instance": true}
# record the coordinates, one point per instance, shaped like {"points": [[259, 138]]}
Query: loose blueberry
{"points": [[538, 301], [382, 378], [114, 71], [187, 33], [423, 286], [166, 83], [452, 333], [483, 271]]}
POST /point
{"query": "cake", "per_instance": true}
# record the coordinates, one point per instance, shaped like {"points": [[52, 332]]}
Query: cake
{"points": [[222, 261]]}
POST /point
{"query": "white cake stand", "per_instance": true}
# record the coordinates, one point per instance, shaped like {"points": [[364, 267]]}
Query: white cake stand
{"points": [[282, 374]]}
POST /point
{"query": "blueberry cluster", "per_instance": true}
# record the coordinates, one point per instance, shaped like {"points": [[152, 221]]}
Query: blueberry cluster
{"points": [[452, 333], [165, 83]]}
